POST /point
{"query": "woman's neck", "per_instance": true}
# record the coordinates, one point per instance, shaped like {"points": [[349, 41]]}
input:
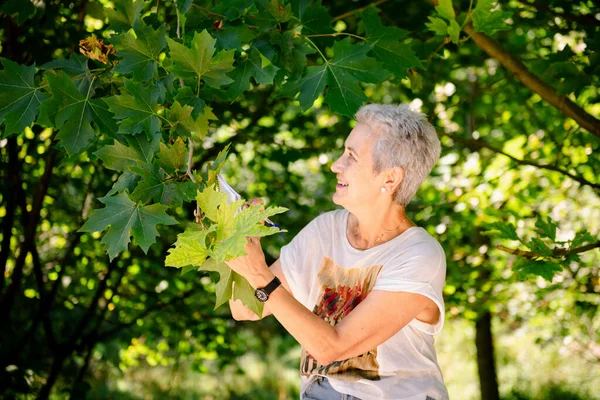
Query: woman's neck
{"points": [[377, 225]]}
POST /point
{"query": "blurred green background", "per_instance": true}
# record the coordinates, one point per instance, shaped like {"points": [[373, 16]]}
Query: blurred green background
{"points": [[518, 326]]}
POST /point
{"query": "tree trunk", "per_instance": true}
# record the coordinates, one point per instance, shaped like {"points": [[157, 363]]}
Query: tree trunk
{"points": [[485, 357]]}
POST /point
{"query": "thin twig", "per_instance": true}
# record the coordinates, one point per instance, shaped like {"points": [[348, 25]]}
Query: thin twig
{"points": [[557, 253], [349, 13]]}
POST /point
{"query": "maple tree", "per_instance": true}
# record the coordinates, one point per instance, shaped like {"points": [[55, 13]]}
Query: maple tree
{"points": [[131, 118]]}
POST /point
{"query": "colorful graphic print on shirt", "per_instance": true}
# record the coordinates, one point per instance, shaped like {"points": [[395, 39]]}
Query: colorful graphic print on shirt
{"points": [[342, 289]]}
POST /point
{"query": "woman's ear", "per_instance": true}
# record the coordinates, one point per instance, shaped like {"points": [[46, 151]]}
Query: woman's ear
{"points": [[394, 178]]}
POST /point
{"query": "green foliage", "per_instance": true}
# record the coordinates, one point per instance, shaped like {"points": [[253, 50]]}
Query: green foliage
{"points": [[223, 240], [489, 18], [125, 218], [146, 140], [544, 268], [20, 97]]}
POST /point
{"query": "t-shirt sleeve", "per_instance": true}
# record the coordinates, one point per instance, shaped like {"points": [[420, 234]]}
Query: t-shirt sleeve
{"points": [[298, 259], [420, 269]]}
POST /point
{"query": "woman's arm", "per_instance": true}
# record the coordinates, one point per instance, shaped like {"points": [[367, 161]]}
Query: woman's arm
{"points": [[242, 313]]}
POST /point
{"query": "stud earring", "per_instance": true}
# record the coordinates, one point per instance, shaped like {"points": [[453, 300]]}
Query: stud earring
{"points": [[382, 190]]}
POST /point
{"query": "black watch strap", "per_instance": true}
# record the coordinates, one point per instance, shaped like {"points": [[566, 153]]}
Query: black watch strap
{"points": [[262, 294]]}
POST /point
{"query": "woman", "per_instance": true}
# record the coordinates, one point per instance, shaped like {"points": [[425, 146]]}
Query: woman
{"points": [[372, 278]]}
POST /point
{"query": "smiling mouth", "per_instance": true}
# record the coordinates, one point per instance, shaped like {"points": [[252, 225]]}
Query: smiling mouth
{"points": [[341, 185]]}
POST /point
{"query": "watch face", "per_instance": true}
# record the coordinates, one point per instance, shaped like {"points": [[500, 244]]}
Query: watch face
{"points": [[261, 295]]}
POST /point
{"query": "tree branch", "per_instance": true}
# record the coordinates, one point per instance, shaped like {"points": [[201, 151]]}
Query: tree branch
{"points": [[7, 300], [546, 92], [477, 144], [9, 198], [557, 253]]}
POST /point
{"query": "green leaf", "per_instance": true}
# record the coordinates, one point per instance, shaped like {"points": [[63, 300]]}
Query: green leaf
{"points": [[582, 237], [76, 66], [503, 230], [186, 97], [291, 57], [190, 249], [454, 31], [20, 97], [156, 185], [546, 228], [437, 25], [119, 157], [125, 14], [234, 9], [396, 57], [315, 19], [489, 18], [342, 74], [197, 62], [128, 180], [124, 218], [173, 157], [215, 168], [310, 86], [445, 9], [137, 108], [545, 269], [140, 52], [184, 124], [231, 37], [538, 246], [271, 13], [72, 113], [251, 66]]}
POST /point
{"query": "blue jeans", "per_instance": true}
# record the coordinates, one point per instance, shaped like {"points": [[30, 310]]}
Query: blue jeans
{"points": [[320, 389]]}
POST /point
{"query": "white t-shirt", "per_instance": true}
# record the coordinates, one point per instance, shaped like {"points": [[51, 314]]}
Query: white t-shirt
{"points": [[330, 277]]}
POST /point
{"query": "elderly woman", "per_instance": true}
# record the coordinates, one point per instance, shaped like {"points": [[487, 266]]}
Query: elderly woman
{"points": [[372, 278]]}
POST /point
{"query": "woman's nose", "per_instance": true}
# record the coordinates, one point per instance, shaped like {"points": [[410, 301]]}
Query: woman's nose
{"points": [[335, 167]]}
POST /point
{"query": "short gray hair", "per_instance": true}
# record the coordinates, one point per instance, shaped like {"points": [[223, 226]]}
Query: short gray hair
{"points": [[402, 138]]}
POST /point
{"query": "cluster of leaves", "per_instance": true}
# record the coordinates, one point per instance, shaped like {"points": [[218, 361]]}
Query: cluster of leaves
{"points": [[143, 105], [486, 17], [542, 258], [223, 238]]}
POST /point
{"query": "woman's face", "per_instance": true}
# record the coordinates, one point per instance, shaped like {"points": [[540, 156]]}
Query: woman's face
{"points": [[358, 186]]}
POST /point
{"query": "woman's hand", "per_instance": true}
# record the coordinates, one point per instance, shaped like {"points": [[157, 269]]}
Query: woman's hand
{"points": [[252, 266]]}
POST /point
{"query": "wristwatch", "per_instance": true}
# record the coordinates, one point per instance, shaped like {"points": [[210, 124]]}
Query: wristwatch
{"points": [[262, 294]]}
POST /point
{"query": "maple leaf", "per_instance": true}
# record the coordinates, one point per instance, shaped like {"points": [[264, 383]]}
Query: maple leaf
{"points": [[342, 74], [254, 65], [173, 158], [488, 18], [156, 185], [232, 37], [137, 108], [119, 157], [186, 97], [76, 66], [544, 268], [385, 42], [72, 113], [197, 62], [184, 124], [314, 20], [140, 52], [125, 14], [190, 249], [125, 218], [20, 97]]}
